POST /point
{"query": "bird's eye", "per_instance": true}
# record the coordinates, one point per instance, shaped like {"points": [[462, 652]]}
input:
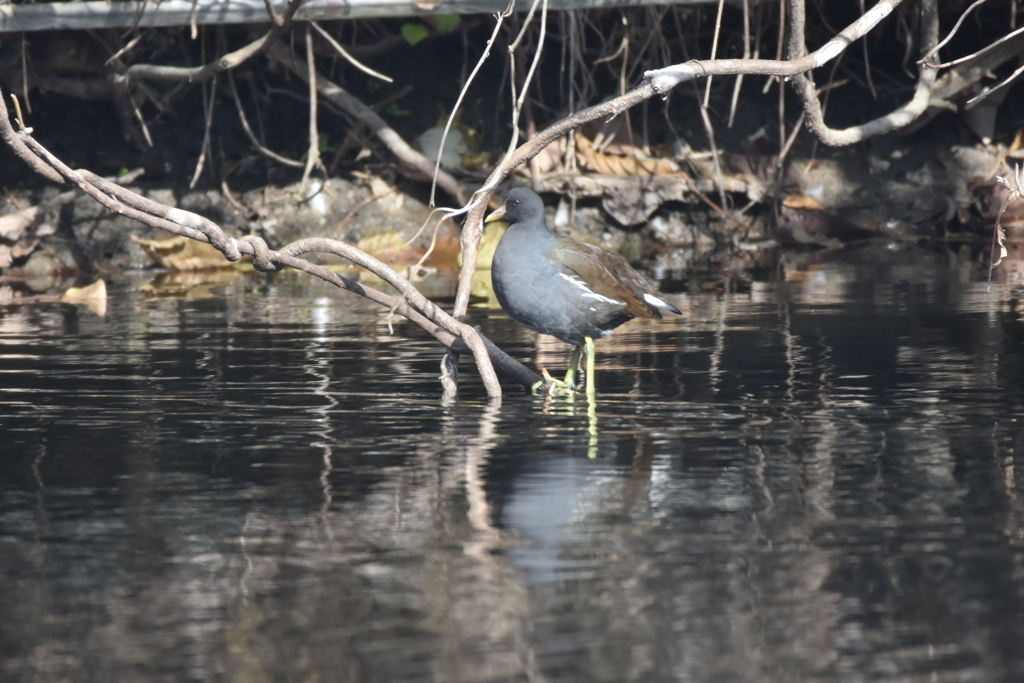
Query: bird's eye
{"points": [[516, 202]]}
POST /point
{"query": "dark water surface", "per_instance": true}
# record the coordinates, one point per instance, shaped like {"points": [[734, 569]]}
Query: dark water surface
{"points": [[807, 478]]}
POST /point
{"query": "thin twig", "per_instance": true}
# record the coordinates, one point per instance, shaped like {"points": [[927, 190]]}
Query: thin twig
{"points": [[709, 130], [988, 91], [192, 19], [124, 50], [313, 154], [139, 118], [998, 236], [517, 101], [956, 27], [462, 93], [714, 50], [234, 201], [967, 58], [746, 55], [867, 61], [252, 136], [24, 73], [212, 97], [352, 60]]}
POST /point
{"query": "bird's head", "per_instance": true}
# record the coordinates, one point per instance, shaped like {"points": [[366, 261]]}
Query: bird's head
{"points": [[521, 205]]}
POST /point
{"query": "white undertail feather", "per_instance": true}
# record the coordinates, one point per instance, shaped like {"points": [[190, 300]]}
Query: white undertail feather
{"points": [[656, 302]]}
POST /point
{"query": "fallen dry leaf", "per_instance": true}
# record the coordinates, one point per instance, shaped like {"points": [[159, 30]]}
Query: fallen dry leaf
{"points": [[76, 295], [801, 201], [14, 225], [94, 296], [390, 247], [552, 156], [24, 247], [610, 164], [182, 253]]}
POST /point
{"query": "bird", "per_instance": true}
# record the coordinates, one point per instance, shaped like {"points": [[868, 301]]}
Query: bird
{"points": [[571, 290]]}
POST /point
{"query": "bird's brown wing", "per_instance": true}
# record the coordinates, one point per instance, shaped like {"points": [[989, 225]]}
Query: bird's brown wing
{"points": [[606, 274]]}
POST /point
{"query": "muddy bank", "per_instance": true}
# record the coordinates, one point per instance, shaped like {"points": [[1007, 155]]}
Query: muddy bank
{"points": [[900, 190]]}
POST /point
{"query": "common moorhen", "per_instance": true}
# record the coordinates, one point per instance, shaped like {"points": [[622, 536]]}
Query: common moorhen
{"points": [[563, 287]]}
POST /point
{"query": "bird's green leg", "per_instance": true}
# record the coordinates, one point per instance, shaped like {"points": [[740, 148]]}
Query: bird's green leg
{"points": [[570, 376], [565, 387], [591, 392]]}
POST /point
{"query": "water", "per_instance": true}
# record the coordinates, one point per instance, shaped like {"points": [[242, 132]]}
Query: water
{"points": [[807, 478]]}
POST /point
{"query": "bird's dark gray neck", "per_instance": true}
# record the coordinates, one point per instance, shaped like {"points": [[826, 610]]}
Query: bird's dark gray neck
{"points": [[528, 238]]}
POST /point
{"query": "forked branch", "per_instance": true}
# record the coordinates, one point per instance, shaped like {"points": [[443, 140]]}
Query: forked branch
{"points": [[412, 304]]}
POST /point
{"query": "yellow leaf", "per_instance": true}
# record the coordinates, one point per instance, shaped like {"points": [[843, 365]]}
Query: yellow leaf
{"points": [[1018, 142], [488, 243]]}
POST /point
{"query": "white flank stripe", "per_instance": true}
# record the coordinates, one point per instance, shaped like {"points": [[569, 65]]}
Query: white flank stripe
{"points": [[588, 293]]}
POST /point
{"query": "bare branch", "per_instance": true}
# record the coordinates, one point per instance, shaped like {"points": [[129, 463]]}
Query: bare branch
{"points": [[975, 67], [413, 305], [225, 63], [663, 80], [21, 149], [746, 55], [897, 118]]}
